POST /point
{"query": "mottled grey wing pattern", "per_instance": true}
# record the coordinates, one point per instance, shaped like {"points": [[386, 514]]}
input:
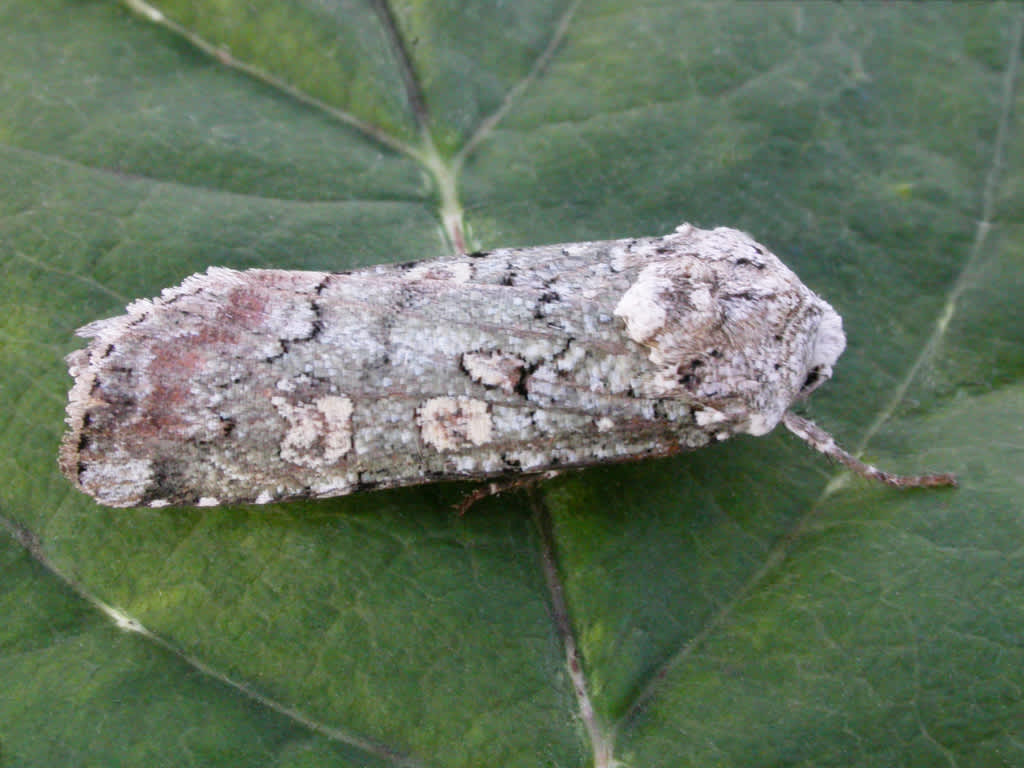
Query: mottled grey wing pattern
{"points": [[263, 385]]}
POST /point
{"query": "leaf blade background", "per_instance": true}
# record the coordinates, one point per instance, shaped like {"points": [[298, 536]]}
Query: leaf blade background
{"points": [[807, 623]]}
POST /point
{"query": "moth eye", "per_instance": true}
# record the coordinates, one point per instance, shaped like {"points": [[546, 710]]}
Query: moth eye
{"points": [[814, 380]]}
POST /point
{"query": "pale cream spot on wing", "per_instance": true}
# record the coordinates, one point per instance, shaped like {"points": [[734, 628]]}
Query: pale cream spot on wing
{"points": [[450, 423], [494, 369]]}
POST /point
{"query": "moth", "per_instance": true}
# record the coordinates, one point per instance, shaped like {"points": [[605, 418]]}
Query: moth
{"points": [[265, 385]]}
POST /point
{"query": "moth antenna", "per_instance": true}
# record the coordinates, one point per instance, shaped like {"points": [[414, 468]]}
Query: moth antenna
{"points": [[822, 441]]}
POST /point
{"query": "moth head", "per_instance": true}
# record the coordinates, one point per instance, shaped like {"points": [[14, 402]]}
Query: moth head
{"points": [[729, 329], [826, 346]]}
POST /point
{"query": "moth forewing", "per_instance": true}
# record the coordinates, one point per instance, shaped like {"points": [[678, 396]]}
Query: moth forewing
{"points": [[264, 385]]}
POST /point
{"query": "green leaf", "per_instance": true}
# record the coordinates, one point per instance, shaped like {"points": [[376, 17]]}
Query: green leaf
{"points": [[746, 605]]}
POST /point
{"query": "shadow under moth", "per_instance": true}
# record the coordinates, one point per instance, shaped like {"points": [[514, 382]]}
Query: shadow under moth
{"points": [[265, 385]]}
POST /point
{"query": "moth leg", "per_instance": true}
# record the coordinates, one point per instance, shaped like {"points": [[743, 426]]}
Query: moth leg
{"points": [[501, 486], [822, 441]]}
